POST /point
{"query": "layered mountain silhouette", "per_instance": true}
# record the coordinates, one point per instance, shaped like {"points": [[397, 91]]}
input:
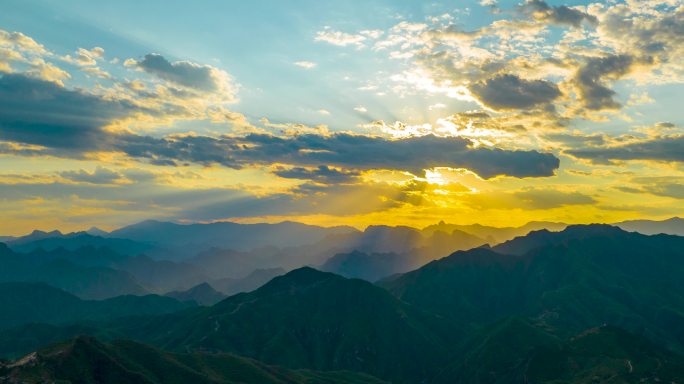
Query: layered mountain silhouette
{"points": [[312, 319], [572, 280], [202, 294], [25, 303], [589, 303]]}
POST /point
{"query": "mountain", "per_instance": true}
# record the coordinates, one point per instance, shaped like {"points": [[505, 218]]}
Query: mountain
{"points": [[24, 303], [87, 360], [572, 280], [537, 239], [315, 320], [516, 351], [202, 294], [254, 280], [49, 241], [241, 237], [494, 235], [99, 272], [86, 282], [381, 251], [95, 231], [672, 226], [162, 275], [370, 267]]}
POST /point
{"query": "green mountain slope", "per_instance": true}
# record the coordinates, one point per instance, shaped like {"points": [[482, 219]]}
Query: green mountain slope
{"points": [[516, 351], [572, 280], [24, 303], [86, 360], [316, 320]]}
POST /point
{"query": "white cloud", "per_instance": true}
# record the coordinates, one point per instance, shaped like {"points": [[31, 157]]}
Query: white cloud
{"points": [[305, 64], [339, 38]]}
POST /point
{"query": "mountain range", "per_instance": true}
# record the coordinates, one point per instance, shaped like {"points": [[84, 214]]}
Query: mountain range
{"points": [[588, 303]]}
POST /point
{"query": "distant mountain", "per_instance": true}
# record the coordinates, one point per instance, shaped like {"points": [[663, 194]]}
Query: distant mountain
{"points": [[24, 303], [672, 226], [370, 267], [575, 279], [86, 360], [254, 280], [88, 282], [95, 231], [316, 320], [202, 294], [381, 251], [49, 241], [515, 351], [537, 239], [162, 275], [495, 235], [241, 237]]}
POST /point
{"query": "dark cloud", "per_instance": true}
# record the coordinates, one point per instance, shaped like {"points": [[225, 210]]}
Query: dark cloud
{"points": [[185, 73], [100, 175], [71, 123], [562, 15], [590, 78], [662, 148], [323, 174], [43, 113], [344, 150], [511, 92]]}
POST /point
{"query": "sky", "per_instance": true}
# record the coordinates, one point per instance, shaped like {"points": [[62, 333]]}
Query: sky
{"points": [[340, 113]]}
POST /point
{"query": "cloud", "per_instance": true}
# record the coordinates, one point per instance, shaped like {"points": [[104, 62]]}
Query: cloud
{"points": [[100, 175], [187, 74], [86, 57], [305, 64], [340, 39], [660, 148], [413, 154], [323, 174], [590, 80], [528, 199], [562, 15], [21, 42], [551, 198], [576, 139], [512, 92], [72, 123], [43, 113]]}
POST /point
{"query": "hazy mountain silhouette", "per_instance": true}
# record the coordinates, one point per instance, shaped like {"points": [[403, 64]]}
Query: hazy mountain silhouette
{"points": [[254, 280], [228, 235], [24, 303], [370, 267], [91, 282], [588, 303], [53, 240], [202, 294], [495, 235], [672, 226]]}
